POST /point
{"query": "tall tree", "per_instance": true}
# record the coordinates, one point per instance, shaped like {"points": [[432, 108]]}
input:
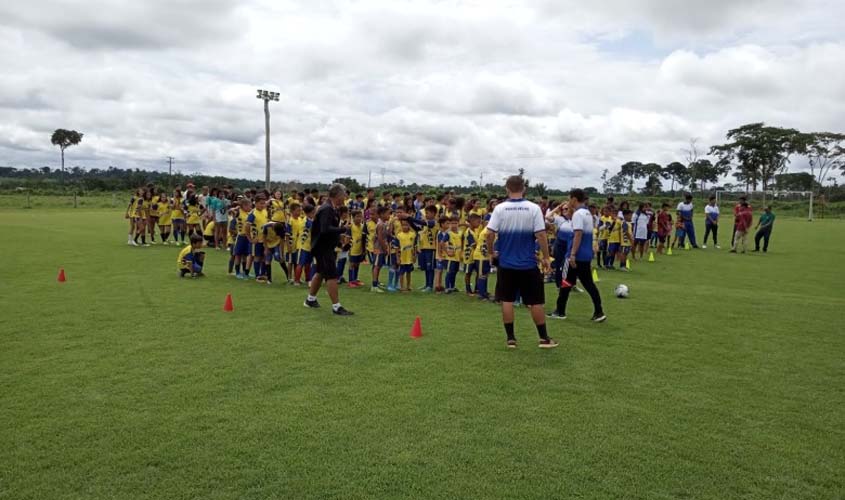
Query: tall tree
{"points": [[761, 151], [826, 152], [631, 171], [65, 139], [652, 173], [676, 172], [703, 171]]}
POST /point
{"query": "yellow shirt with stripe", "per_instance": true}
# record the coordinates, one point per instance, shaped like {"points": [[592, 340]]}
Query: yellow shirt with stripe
{"points": [[356, 232], [260, 217], [194, 214], [480, 251], [406, 247], [271, 239], [454, 246], [277, 208], [427, 237]]}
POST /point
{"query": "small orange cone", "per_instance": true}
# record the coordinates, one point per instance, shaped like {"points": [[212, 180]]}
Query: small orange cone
{"points": [[227, 306], [61, 277], [416, 330]]}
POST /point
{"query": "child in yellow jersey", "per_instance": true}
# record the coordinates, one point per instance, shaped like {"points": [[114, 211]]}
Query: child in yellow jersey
{"points": [[405, 240], [304, 258], [441, 264], [481, 259], [603, 233], [255, 221], [356, 247], [208, 234], [274, 237], [277, 208], [381, 245], [295, 223], [142, 208], [471, 242], [427, 243], [164, 218], [242, 248], [370, 236], [194, 215], [191, 258], [453, 254], [129, 215], [177, 215], [614, 239], [395, 227], [626, 238]]}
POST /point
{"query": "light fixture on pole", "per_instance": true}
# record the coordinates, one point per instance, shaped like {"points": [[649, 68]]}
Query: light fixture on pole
{"points": [[267, 96]]}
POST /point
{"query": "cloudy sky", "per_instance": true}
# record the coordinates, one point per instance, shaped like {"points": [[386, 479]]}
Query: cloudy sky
{"points": [[419, 91]]}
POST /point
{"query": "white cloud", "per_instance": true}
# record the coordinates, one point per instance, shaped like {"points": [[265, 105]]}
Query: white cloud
{"points": [[424, 90]]}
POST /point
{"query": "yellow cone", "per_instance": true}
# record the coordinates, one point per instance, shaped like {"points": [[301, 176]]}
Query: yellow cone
{"points": [[687, 245], [595, 275], [651, 256], [669, 251], [628, 263]]}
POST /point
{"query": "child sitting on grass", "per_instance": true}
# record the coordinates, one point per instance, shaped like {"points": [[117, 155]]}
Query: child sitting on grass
{"points": [[191, 258]]}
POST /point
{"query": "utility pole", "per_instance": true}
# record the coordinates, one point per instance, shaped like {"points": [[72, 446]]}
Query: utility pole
{"points": [[170, 171], [369, 178], [382, 176], [267, 97]]}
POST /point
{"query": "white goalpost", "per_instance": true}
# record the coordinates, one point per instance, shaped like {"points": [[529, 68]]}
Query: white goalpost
{"points": [[773, 195]]}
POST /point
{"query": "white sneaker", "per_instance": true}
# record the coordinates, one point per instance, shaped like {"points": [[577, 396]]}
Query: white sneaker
{"points": [[133, 243], [704, 246], [718, 247]]}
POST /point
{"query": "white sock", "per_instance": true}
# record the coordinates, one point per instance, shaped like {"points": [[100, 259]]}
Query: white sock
{"points": [[335, 307], [311, 298]]}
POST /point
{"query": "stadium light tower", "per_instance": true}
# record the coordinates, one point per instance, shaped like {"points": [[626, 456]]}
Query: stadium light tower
{"points": [[267, 96]]}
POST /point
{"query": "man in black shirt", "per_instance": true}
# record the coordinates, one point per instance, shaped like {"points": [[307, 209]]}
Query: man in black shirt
{"points": [[325, 236]]}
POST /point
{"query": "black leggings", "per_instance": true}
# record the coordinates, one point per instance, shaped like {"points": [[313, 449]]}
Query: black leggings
{"points": [[711, 228], [583, 272], [763, 234]]}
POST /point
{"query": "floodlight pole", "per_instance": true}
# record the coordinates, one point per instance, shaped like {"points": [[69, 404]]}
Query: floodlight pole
{"points": [[267, 97]]}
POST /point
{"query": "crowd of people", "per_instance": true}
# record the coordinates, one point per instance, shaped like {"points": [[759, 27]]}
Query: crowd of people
{"points": [[329, 237]]}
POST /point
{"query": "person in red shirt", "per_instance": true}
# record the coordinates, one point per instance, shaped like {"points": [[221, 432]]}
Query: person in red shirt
{"points": [[737, 207], [664, 227], [742, 222]]}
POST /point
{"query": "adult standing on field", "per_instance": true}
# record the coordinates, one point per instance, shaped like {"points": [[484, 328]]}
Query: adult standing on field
{"points": [[764, 230], [685, 214], [579, 259], [325, 237], [520, 226], [711, 222]]}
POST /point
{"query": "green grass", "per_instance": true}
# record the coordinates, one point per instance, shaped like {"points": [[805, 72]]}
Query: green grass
{"points": [[721, 377]]}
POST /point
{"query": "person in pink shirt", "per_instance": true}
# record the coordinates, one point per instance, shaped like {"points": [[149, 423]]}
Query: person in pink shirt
{"points": [[742, 222]]}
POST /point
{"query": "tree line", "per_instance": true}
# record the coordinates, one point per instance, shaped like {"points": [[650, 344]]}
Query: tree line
{"points": [[758, 156]]}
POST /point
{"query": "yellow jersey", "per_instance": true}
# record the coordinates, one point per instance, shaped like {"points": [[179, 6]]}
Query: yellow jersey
{"points": [[625, 230], [604, 221], [241, 224], [271, 239], [405, 242], [305, 236], [209, 229], [453, 246], [296, 227], [194, 214], [180, 260], [614, 231], [480, 251], [277, 208], [356, 233], [176, 211], [427, 236], [371, 235], [257, 219]]}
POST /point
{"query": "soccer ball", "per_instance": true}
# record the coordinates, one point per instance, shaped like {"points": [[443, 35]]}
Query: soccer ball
{"points": [[621, 291]]}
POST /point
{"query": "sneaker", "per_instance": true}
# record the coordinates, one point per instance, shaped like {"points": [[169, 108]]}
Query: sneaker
{"points": [[146, 244], [133, 243], [312, 304], [704, 247], [511, 344], [352, 284], [718, 247], [359, 283], [556, 315], [732, 250], [578, 289], [391, 289], [548, 343], [598, 318], [426, 289], [341, 281], [239, 276], [376, 289], [261, 279], [341, 311], [422, 288]]}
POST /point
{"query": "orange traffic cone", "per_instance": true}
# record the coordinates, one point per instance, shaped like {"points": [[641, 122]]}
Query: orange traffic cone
{"points": [[416, 330], [61, 277], [227, 306]]}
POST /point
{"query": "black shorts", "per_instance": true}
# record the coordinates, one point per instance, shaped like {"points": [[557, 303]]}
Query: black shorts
{"points": [[326, 264], [528, 284]]}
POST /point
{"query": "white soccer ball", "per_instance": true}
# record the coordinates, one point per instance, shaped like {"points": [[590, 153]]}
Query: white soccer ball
{"points": [[621, 291]]}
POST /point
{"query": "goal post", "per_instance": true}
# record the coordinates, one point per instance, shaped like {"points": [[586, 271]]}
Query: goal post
{"points": [[792, 196]]}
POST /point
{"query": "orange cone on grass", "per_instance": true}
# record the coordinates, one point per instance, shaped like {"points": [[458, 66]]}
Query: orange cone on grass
{"points": [[416, 330], [227, 306], [61, 278]]}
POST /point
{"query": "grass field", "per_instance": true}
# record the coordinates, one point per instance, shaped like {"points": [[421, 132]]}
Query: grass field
{"points": [[723, 376]]}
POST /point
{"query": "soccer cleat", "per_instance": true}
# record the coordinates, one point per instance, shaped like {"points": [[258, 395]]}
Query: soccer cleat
{"points": [[146, 244], [261, 279], [548, 343], [376, 289], [556, 315], [511, 344], [311, 304], [598, 318], [341, 311]]}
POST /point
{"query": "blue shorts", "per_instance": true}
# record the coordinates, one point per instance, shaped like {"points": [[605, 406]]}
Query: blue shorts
{"points": [[178, 221], [258, 249], [406, 268], [613, 248], [640, 240], [602, 245], [356, 259], [625, 250], [303, 258], [442, 265], [275, 253], [481, 267], [372, 258], [242, 246], [379, 260]]}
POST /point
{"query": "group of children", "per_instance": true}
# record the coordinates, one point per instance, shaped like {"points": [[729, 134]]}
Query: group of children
{"points": [[393, 235]]}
